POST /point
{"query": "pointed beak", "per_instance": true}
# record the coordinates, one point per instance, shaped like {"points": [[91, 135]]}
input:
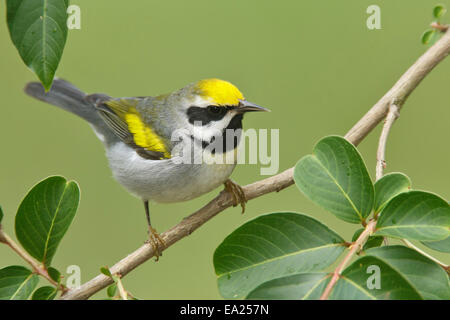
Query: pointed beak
{"points": [[246, 106]]}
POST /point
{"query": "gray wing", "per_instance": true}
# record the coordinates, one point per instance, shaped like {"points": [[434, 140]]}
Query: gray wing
{"points": [[112, 112]]}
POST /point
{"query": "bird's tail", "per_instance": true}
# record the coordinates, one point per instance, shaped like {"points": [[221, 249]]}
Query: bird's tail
{"points": [[65, 95]]}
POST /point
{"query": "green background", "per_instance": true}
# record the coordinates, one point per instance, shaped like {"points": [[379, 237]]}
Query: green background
{"points": [[313, 63]]}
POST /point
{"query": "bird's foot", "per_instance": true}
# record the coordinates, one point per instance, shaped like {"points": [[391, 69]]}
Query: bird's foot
{"points": [[237, 193], [156, 241]]}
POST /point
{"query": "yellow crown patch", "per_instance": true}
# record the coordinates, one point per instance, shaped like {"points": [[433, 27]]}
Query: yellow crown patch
{"points": [[219, 91]]}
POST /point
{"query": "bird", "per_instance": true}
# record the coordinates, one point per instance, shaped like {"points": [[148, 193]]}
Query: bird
{"points": [[166, 148]]}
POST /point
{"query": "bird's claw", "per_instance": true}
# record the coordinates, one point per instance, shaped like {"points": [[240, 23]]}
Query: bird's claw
{"points": [[237, 193], [156, 241]]}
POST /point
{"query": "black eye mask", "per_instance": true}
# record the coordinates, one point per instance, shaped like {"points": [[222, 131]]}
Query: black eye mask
{"points": [[206, 115]]}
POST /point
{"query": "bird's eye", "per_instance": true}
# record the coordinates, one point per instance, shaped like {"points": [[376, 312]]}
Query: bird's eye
{"points": [[215, 109]]}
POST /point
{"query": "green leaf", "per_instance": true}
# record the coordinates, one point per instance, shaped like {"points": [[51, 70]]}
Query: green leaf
{"points": [[357, 234], [105, 271], [272, 246], [403, 274], [439, 11], [372, 241], [45, 215], [440, 245], [357, 282], [305, 286], [17, 283], [388, 187], [335, 177], [1, 214], [427, 35], [415, 215], [38, 29], [44, 293], [111, 290], [428, 278], [54, 274]]}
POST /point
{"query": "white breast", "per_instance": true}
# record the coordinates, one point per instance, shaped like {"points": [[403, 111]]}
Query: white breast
{"points": [[164, 180]]}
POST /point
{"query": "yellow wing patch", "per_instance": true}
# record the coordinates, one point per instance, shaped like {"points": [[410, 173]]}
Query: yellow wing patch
{"points": [[143, 135], [219, 91]]}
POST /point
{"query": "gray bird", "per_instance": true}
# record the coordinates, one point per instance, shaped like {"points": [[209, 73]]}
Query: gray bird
{"points": [[168, 148]]}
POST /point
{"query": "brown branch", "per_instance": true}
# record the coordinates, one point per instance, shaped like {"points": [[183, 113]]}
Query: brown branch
{"points": [[399, 92], [37, 267]]}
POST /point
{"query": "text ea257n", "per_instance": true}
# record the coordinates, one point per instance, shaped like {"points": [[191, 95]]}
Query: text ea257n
{"points": [[226, 309]]}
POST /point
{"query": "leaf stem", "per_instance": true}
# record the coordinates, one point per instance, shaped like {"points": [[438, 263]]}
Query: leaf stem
{"points": [[412, 246], [38, 268], [357, 245]]}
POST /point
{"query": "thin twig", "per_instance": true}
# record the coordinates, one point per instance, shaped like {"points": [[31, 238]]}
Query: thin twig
{"points": [[412, 246], [440, 27], [122, 292], [392, 115], [37, 267], [355, 247], [400, 91]]}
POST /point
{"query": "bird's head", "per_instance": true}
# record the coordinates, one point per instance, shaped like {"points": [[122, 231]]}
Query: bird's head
{"points": [[214, 105]]}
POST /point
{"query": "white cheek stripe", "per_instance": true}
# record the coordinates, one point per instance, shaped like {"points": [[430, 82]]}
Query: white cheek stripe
{"points": [[213, 128]]}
